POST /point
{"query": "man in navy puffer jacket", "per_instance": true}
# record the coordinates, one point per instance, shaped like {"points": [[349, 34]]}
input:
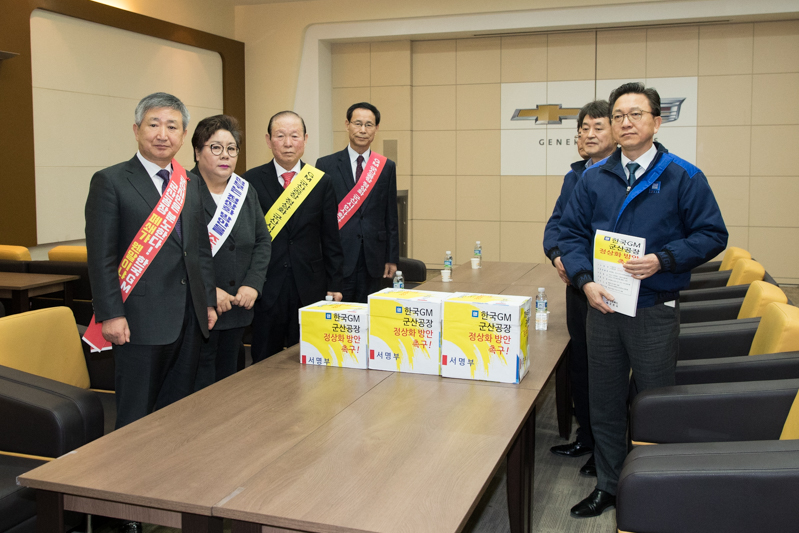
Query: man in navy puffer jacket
{"points": [[645, 191]]}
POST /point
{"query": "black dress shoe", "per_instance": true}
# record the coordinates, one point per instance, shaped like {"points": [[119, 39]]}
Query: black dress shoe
{"points": [[589, 468], [130, 527], [573, 449], [594, 505]]}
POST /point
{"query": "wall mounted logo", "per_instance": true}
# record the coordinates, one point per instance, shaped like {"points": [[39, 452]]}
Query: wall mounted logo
{"points": [[547, 114], [670, 109], [556, 113]]}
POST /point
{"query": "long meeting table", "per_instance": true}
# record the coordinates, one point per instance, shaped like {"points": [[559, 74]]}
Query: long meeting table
{"points": [[285, 447]]}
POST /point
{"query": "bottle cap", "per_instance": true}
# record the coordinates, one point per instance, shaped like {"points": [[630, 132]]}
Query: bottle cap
{"points": [[329, 298], [449, 253], [540, 289], [398, 273], [478, 242]]}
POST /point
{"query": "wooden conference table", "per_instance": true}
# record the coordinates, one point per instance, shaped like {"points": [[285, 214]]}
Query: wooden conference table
{"points": [[21, 286], [285, 447]]}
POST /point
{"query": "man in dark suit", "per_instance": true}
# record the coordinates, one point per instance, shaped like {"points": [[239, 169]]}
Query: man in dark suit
{"points": [[370, 239], [306, 254], [158, 329]]}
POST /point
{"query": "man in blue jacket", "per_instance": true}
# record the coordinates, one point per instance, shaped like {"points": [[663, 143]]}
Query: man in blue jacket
{"points": [[645, 191], [596, 142]]}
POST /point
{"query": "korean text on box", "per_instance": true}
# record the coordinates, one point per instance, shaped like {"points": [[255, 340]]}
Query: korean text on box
{"points": [[485, 337], [334, 334], [405, 330]]}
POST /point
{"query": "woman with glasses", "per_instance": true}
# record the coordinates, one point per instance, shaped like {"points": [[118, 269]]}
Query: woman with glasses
{"points": [[239, 239]]}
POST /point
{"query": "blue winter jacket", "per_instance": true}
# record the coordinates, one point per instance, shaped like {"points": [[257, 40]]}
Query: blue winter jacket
{"points": [[670, 205], [551, 231]]}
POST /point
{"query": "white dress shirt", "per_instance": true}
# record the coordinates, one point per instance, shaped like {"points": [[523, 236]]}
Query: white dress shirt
{"points": [[353, 160], [152, 169], [645, 160], [281, 171]]}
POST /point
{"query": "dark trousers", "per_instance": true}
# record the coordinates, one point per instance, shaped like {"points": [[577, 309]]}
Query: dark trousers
{"points": [[219, 356], [276, 326], [576, 312], [647, 343], [359, 285], [151, 377]]}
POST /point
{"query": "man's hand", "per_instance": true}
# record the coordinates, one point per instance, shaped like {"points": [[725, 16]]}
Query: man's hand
{"points": [[643, 267], [561, 271], [211, 318], [594, 292], [337, 296], [116, 330], [390, 270], [245, 297], [223, 299]]}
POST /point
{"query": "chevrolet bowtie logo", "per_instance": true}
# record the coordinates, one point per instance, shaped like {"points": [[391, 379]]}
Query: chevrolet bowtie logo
{"points": [[547, 114]]}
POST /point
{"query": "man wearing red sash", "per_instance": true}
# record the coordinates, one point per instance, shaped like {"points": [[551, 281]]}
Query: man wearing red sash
{"points": [[163, 252], [370, 236]]}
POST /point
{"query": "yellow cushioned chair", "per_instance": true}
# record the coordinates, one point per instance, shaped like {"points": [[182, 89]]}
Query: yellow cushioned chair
{"points": [[758, 296], [745, 272], [68, 253], [778, 330], [44, 343], [732, 256], [14, 253]]}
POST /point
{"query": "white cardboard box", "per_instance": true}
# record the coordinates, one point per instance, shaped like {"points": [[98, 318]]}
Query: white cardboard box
{"points": [[405, 330], [485, 337], [334, 334]]}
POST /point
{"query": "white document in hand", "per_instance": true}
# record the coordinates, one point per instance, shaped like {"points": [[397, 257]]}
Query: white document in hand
{"points": [[611, 251]]}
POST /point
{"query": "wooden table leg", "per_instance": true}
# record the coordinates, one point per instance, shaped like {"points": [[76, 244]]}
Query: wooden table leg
{"points": [[521, 466], [19, 301], [68, 294], [49, 512], [245, 527], [563, 394], [201, 524]]}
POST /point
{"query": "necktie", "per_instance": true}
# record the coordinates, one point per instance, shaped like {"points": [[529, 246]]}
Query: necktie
{"points": [[632, 167], [164, 175], [287, 178], [359, 168]]}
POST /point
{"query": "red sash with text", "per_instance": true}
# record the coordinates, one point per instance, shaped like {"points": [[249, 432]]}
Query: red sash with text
{"points": [[141, 252], [359, 193]]}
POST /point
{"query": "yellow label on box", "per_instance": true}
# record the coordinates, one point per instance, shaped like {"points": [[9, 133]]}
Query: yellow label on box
{"points": [[334, 334]]}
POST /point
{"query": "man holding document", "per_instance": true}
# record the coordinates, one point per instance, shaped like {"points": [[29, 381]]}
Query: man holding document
{"points": [[666, 221]]}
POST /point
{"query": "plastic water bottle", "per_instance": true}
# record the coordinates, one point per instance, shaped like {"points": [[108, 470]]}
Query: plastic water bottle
{"points": [[478, 253], [329, 298], [448, 261], [399, 281], [541, 310]]}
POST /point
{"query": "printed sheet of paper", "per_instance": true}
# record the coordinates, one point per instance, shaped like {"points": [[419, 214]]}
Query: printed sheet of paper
{"points": [[611, 251]]}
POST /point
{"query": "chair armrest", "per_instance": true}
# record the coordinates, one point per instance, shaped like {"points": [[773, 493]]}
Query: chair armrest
{"points": [[709, 280], [735, 487], [731, 369], [714, 412], [725, 338], [39, 416], [710, 310], [696, 295], [710, 266]]}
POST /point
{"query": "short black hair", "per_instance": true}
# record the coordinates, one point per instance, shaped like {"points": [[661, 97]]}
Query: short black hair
{"points": [[637, 88], [283, 113], [208, 126], [364, 105], [595, 109]]}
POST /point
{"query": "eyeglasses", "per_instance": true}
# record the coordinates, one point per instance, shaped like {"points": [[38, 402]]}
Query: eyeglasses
{"points": [[217, 149], [634, 116], [358, 125]]}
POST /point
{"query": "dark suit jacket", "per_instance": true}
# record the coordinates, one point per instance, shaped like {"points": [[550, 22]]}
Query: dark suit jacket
{"points": [[376, 218], [308, 243], [120, 199], [244, 256]]}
